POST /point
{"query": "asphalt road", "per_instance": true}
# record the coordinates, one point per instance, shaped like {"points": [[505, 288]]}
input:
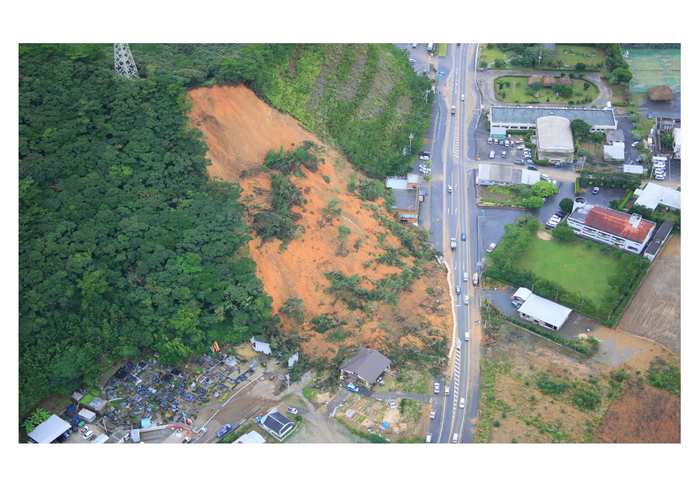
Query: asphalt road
{"points": [[453, 214]]}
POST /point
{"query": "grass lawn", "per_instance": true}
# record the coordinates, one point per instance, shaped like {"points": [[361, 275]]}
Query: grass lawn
{"points": [[578, 266], [570, 55], [442, 49], [513, 89]]}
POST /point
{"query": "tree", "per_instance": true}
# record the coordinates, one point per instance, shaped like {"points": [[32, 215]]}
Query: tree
{"points": [[580, 67], [566, 205], [622, 75], [563, 233], [294, 308], [580, 129], [499, 63], [483, 64], [35, 419], [666, 140], [563, 90], [533, 202], [544, 189]]}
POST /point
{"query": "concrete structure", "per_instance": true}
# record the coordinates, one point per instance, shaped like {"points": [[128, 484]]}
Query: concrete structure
{"points": [[250, 437], [627, 232], [524, 117], [276, 424], [652, 195], [497, 132], [541, 311], [51, 430], [677, 143], [260, 346], [367, 366], [555, 142], [491, 174], [630, 168], [411, 181], [657, 242], [614, 152], [87, 415]]}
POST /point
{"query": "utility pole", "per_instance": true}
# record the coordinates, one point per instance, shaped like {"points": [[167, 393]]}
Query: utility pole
{"points": [[410, 140], [124, 64]]}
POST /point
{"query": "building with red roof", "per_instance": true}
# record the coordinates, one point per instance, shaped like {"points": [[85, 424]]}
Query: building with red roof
{"points": [[627, 232]]}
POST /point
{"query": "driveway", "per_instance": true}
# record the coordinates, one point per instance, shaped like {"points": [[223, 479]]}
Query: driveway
{"points": [[486, 78]]}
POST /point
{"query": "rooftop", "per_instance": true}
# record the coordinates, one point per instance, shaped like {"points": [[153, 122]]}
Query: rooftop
{"points": [[250, 437], [490, 172], [367, 364], [613, 222], [659, 238], [49, 430], [529, 115], [615, 151], [522, 293], [277, 423], [545, 310], [653, 195], [554, 134], [405, 199]]}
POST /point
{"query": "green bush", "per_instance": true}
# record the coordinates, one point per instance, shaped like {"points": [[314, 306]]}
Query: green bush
{"points": [[294, 308], [586, 397], [664, 375], [551, 385]]}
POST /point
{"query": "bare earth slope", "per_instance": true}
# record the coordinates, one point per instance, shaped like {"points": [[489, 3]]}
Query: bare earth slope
{"points": [[240, 129]]}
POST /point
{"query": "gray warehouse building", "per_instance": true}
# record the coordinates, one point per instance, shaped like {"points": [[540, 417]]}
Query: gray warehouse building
{"points": [[524, 117], [555, 142]]}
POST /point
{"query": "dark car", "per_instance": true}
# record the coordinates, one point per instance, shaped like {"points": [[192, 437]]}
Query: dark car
{"points": [[224, 430], [464, 236], [596, 190], [531, 167]]}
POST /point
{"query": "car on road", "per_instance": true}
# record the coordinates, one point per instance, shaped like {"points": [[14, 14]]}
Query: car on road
{"points": [[466, 336], [413, 45], [412, 61], [596, 190], [461, 402], [503, 154], [352, 387], [433, 414], [428, 438], [458, 290], [447, 390], [455, 437], [454, 110], [392, 404], [465, 277], [449, 189], [459, 344], [292, 410], [462, 97], [436, 388], [492, 155], [518, 162], [466, 299], [463, 236]]}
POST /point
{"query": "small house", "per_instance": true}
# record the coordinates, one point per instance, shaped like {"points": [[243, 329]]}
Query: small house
{"points": [[87, 415], [367, 366], [276, 424], [543, 312], [260, 346]]}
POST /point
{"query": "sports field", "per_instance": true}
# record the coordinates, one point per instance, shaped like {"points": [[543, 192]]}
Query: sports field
{"points": [[578, 266], [654, 66]]}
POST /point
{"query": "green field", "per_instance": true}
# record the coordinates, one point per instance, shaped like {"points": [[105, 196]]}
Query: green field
{"points": [[514, 89], [564, 57], [489, 55], [580, 266], [654, 66], [570, 55]]}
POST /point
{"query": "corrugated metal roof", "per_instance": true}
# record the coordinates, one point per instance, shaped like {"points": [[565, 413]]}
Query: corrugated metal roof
{"points": [[545, 310], [49, 430], [405, 199], [529, 115], [554, 134], [653, 194]]}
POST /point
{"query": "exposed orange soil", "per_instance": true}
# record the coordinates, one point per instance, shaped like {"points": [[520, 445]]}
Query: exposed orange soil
{"points": [[239, 130]]}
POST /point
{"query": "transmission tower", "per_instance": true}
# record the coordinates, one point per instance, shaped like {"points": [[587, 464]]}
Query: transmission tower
{"points": [[124, 64]]}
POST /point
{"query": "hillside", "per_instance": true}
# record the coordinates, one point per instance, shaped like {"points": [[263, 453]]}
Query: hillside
{"points": [[365, 99], [389, 291]]}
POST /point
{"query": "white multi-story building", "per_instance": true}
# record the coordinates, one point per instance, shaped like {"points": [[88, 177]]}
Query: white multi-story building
{"points": [[630, 233]]}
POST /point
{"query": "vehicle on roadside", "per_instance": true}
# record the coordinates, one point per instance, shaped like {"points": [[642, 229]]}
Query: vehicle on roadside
{"points": [[489, 140], [503, 154], [88, 434], [453, 243], [459, 345], [436, 388], [475, 278], [518, 162], [491, 247], [466, 335], [461, 402], [412, 61], [463, 236], [428, 438], [596, 190], [352, 387], [424, 155], [433, 414], [453, 110], [292, 410], [492, 155]]}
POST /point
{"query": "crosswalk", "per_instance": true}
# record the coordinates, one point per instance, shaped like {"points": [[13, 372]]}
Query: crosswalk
{"points": [[455, 379]]}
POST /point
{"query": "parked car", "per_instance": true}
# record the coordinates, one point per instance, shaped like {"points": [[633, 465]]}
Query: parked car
{"points": [[428, 438], [224, 430], [432, 414], [352, 387], [492, 155], [436, 388], [491, 247], [466, 335], [292, 410], [518, 162], [596, 190], [424, 155], [447, 390]]}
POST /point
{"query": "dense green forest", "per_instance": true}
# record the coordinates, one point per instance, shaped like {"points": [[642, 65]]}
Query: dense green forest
{"points": [[125, 245], [365, 99]]}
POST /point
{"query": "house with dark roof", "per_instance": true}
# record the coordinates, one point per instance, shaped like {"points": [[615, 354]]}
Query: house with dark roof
{"points": [[367, 366], [276, 424], [630, 233], [657, 242]]}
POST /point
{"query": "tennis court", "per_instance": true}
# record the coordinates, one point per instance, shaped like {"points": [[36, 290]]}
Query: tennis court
{"points": [[654, 66]]}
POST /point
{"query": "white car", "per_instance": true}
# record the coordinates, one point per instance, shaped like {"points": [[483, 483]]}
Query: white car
{"points": [[449, 189], [292, 410], [466, 299], [433, 414], [462, 97], [455, 437], [88, 434], [447, 390], [491, 247], [466, 336], [436, 388], [428, 438], [459, 344], [461, 403]]}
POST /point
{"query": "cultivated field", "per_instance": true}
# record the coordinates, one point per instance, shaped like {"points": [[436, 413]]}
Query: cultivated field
{"points": [[655, 311], [578, 266]]}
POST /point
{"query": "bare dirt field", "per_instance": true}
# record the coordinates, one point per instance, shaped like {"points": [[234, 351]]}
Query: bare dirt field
{"points": [[239, 130], [644, 414], [515, 408], [655, 311]]}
